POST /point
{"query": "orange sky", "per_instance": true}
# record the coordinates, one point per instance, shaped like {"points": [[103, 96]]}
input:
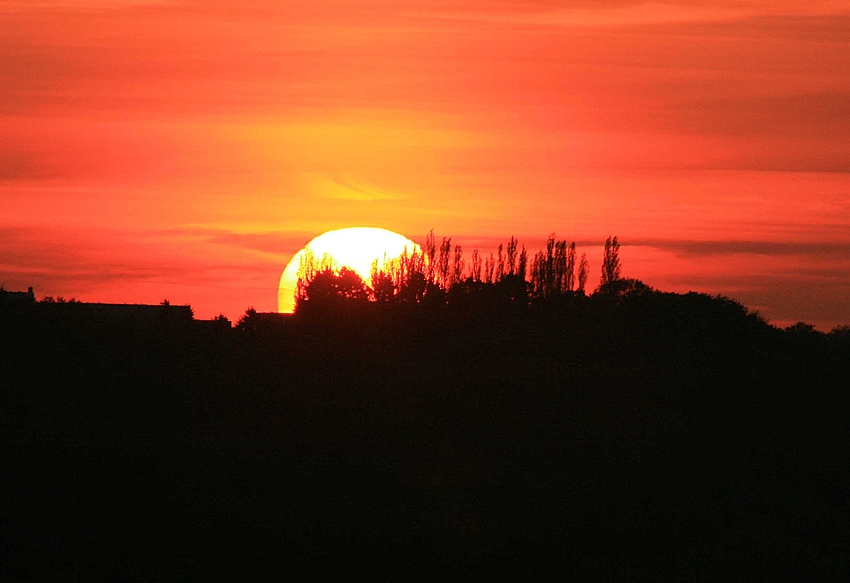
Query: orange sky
{"points": [[187, 149]]}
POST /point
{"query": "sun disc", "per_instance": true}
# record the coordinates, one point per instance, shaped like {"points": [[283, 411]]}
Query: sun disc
{"points": [[356, 248]]}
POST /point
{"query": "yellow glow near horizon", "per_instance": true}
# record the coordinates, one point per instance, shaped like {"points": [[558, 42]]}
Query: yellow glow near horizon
{"points": [[355, 248]]}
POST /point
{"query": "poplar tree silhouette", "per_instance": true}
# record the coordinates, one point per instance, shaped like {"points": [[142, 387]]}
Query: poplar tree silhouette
{"points": [[610, 264], [582, 273], [444, 263], [490, 269], [457, 266], [429, 250], [475, 268], [553, 269]]}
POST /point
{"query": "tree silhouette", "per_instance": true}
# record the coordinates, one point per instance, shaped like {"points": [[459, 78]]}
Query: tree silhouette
{"points": [[489, 269], [610, 263], [500, 266], [801, 328], [331, 289], [583, 269], [626, 287], [411, 278], [512, 257], [543, 270], [403, 279], [308, 268], [475, 269], [248, 322], [429, 250], [427, 276], [522, 264], [383, 287], [457, 265], [553, 269], [444, 263], [841, 332]]}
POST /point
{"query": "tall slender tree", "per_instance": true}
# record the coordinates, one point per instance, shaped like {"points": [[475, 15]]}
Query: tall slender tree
{"points": [[610, 262], [559, 267], [569, 276], [500, 267], [475, 268], [490, 269], [444, 262], [582, 273], [522, 265], [512, 257], [457, 266], [429, 249]]}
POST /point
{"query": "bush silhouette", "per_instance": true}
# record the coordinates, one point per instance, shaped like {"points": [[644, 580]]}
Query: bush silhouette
{"points": [[331, 289]]}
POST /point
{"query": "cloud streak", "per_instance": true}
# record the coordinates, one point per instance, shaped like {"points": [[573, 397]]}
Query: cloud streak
{"points": [[698, 249]]}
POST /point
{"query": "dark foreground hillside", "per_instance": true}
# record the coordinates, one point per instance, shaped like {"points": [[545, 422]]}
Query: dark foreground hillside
{"points": [[667, 437]]}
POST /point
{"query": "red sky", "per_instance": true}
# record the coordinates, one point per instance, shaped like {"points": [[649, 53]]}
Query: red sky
{"points": [[187, 149]]}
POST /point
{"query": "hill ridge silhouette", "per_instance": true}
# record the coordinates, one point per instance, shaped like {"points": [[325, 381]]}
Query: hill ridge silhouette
{"points": [[629, 434]]}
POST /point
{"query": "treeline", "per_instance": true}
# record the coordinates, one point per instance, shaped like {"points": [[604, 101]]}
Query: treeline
{"points": [[439, 273]]}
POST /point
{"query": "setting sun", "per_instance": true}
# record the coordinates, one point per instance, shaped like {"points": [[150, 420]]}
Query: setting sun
{"points": [[356, 248]]}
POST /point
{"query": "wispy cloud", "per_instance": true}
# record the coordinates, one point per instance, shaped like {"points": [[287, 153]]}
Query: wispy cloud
{"points": [[280, 244], [348, 190], [730, 246], [633, 13]]}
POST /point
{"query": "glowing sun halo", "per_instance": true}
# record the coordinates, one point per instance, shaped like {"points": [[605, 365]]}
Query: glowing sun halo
{"points": [[355, 247]]}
